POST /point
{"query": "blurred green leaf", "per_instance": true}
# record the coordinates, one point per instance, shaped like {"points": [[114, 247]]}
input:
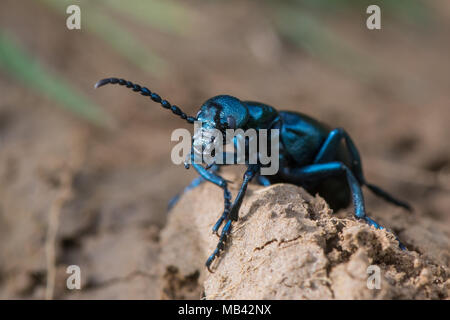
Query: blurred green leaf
{"points": [[301, 22], [164, 15], [115, 34], [15, 61], [307, 32], [410, 11]]}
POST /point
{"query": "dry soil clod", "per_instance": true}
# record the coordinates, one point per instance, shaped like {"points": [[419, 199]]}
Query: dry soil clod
{"points": [[287, 244]]}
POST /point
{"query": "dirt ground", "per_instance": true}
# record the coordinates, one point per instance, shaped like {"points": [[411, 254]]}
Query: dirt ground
{"points": [[71, 193], [288, 244]]}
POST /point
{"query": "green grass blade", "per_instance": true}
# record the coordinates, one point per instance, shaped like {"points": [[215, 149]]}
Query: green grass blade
{"points": [[164, 15], [410, 11], [95, 21], [16, 62], [306, 32]]}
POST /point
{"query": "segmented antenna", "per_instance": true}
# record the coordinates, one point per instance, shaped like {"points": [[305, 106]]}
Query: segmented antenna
{"points": [[146, 92]]}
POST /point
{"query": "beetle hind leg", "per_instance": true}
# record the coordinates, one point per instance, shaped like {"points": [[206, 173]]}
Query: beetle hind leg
{"points": [[318, 171], [386, 196], [372, 222], [328, 152]]}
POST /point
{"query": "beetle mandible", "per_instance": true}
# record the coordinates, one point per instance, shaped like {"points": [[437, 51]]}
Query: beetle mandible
{"points": [[311, 155]]}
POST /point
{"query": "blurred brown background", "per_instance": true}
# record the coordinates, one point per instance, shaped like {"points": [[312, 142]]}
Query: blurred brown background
{"points": [[85, 175]]}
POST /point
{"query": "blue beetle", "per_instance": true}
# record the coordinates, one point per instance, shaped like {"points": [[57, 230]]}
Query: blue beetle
{"points": [[312, 156]]}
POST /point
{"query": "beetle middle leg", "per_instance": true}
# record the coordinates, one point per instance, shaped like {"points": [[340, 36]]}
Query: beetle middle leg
{"points": [[233, 215], [328, 152], [323, 170], [263, 181], [194, 184]]}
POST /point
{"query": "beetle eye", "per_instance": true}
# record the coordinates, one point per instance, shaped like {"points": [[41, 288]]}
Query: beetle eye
{"points": [[231, 122]]}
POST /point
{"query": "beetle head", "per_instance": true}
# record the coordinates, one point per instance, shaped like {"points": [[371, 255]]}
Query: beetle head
{"points": [[223, 112], [220, 113]]}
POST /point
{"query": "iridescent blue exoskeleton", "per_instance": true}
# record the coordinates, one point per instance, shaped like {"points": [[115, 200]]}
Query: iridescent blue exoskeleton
{"points": [[311, 155]]}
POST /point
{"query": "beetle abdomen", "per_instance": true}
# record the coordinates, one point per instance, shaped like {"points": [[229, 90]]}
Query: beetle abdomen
{"points": [[301, 136]]}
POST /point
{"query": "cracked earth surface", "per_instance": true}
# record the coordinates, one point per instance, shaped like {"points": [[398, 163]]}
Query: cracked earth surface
{"points": [[289, 245]]}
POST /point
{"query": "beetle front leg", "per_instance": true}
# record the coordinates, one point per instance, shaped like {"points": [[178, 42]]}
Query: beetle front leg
{"points": [[219, 181], [227, 197], [251, 171], [248, 176]]}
